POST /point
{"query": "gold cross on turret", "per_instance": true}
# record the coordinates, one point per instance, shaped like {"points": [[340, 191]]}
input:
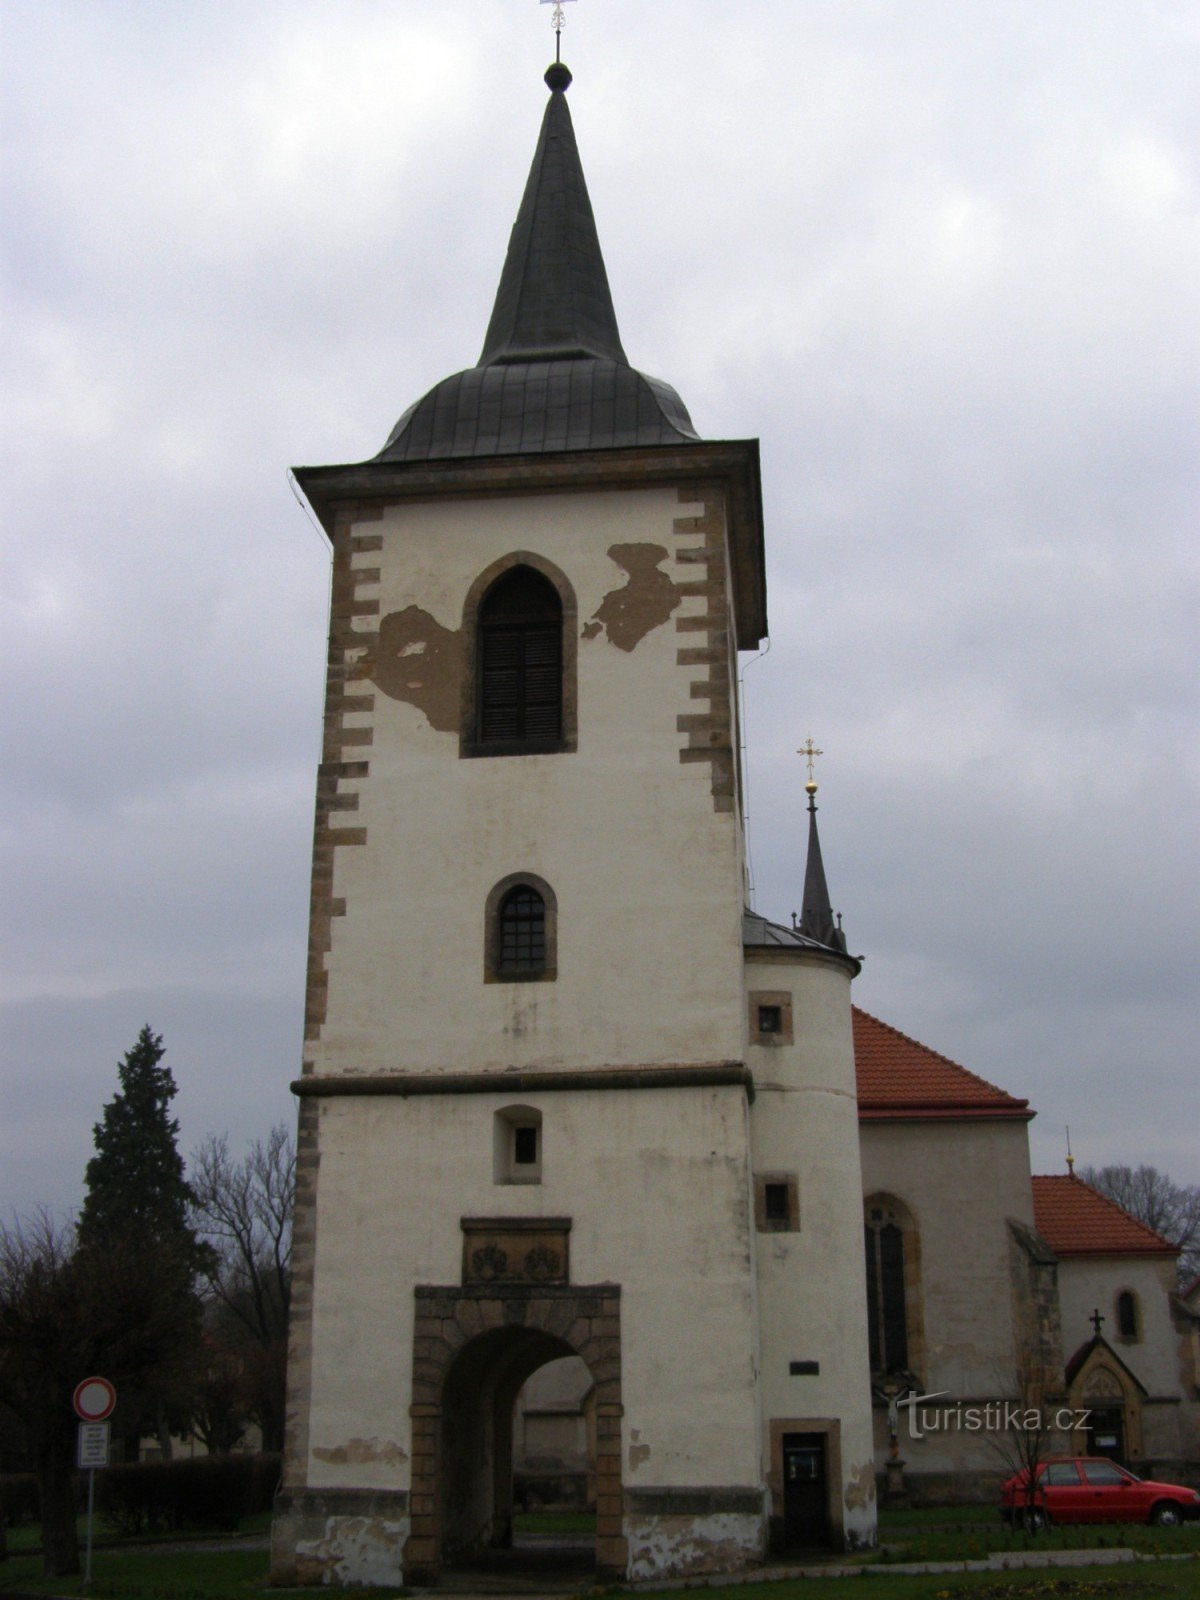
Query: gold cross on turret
{"points": [[809, 750]]}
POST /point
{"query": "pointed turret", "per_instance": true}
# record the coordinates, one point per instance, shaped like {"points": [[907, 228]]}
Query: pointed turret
{"points": [[554, 303], [553, 374], [817, 920]]}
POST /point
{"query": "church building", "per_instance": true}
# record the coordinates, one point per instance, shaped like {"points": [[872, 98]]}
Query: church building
{"points": [[561, 1095]]}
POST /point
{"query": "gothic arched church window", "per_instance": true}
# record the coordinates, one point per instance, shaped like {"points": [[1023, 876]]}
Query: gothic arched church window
{"points": [[519, 702], [519, 632], [892, 1302]]}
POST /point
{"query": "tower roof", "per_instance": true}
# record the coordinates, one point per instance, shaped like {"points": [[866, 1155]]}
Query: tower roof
{"points": [[552, 374], [816, 913], [554, 302]]}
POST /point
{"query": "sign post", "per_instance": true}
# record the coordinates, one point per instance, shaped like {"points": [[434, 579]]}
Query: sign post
{"points": [[93, 1400]]}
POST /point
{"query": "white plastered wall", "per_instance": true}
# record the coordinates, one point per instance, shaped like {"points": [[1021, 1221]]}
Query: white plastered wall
{"points": [[961, 1181], [647, 873], [656, 1183], [812, 1296]]}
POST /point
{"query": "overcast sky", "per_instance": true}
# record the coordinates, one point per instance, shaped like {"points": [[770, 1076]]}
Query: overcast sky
{"points": [[941, 257]]}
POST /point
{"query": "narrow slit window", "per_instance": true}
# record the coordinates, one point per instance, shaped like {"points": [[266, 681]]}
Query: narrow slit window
{"points": [[775, 1202], [1127, 1317]]}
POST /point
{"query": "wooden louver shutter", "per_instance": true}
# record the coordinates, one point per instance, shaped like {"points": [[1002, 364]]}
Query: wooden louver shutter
{"points": [[520, 661]]}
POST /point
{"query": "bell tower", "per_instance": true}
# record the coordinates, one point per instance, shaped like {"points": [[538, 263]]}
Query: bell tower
{"points": [[525, 1104]]}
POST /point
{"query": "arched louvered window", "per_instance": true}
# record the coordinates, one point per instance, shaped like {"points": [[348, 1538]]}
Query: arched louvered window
{"points": [[891, 1249], [519, 655]]}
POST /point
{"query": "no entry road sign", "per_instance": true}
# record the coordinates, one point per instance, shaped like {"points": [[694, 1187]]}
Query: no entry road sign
{"points": [[94, 1399]]}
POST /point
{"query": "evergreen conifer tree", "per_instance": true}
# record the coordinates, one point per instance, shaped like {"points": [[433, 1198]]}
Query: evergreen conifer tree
{"points": [[136, 1212], [135, 1182]]}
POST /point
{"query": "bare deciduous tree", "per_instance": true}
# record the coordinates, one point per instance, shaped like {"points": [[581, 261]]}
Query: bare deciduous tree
{"points": [[243, 1210], [1030, 1430], [1171, 1209]]}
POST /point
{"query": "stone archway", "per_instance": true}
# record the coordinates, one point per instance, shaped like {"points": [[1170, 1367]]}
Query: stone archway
{"points": [[473, 1348]]}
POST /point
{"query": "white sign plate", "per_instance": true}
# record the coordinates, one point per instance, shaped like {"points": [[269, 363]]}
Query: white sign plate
{"points": [[93, 1445]]}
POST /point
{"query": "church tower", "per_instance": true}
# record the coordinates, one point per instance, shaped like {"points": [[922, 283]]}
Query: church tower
{"points": [[560, 1096]]}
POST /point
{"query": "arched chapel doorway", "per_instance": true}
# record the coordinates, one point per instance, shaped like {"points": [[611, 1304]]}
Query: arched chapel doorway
{"points": [[474, 1349]]}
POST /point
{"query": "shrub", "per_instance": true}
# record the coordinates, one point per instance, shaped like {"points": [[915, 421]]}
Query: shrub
{"points": [[200, 1492]]}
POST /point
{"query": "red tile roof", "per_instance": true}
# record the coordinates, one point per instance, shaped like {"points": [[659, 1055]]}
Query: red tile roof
{"points": [[1075, 1220], [901, 1080]]}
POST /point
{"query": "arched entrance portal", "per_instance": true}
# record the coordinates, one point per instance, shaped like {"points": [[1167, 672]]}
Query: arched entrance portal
{"points": [[474, 1348]]}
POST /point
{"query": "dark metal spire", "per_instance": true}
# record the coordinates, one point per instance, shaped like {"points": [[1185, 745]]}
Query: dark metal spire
{"points": [[552, 375], [554, 302], [817, 920]]}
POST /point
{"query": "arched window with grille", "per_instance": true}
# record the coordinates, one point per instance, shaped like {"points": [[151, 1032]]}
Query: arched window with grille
{"points": [[893, 1305], [520, 931]]}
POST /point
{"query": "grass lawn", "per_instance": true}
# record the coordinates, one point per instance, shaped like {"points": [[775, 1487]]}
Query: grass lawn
{"points": [[938, 1516], [165, 1575], [566, 1522], [237, 1575], [1159, 1580], [132, 1573], [913, 1544]]}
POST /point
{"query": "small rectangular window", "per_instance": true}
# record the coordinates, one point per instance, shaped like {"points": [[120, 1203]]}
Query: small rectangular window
{"points": [[770, 1017], [776, 1202], [525, 1146]]}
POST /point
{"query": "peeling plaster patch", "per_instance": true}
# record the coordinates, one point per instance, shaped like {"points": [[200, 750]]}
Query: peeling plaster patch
{"points": [[684, 1546], [644, 603], [638, 1453], [420, 662], [359, 1450], [357, 1550], [860, 1487]]}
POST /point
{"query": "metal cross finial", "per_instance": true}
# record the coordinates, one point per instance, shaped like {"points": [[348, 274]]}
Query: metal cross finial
{"points": [[560, 22], [1096, 1319], [808, 750]]}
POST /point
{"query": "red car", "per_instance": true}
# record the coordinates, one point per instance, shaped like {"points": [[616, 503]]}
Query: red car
{"points": [[1094, 1489]]}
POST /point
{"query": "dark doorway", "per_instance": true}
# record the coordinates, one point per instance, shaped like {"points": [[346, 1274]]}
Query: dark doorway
{"points": [[474, 1346], [805, 1491], [481, 1524], [1106, 1434]]}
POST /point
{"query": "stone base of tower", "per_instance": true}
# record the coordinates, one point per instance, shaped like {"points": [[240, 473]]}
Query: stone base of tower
{"points": [[342, 1536], [685, 1533]]}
